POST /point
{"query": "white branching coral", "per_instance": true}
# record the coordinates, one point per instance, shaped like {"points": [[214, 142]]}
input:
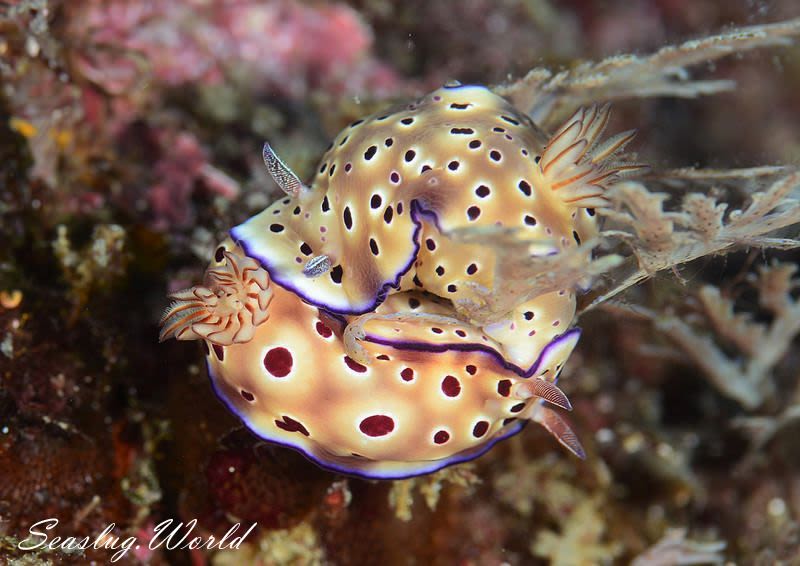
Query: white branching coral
{"points": [[662, 239], [548, 97], [674, 549], [746, 375]]}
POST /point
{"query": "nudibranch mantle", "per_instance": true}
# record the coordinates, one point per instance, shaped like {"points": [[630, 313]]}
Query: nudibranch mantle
{"points": [[391, 190], [333, 320], [434, 395]]}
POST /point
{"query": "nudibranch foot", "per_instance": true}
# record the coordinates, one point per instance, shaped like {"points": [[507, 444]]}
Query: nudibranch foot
{"points": [[558, 427], [227, 309]]}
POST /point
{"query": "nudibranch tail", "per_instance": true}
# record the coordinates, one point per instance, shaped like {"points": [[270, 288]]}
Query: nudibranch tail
{"points": [[234, 301], [576, 165], [559, 428], [281, 174]]}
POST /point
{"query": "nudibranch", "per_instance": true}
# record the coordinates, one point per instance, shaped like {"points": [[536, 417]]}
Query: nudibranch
{"points": [[394, 188], [438, 392]]}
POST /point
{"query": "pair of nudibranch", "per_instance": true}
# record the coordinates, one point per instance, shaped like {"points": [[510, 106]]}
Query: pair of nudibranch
{"points": [[331, 320]]}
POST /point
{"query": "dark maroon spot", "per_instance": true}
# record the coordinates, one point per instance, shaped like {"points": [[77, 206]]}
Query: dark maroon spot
{"points": [[480, 428], [219, 255], [472, 370], [276, 228], [430, 244], [510, 120], [370, 153], [344, 141], [452, 288], [456, 106], [290, 425], [348, 167], [517, 408], [323, 330], [322, 169], [425, 168], [348, 218], [375, 201], [247, 396], [407, 374], [524, 152], [384, 358], [399, 208], [373, 246], [473, 212], [504, 387], [461, 131], [306, 249], [417, 282], [296, 210], [388, 142], [525, 187], [475, 144], [483, 191], [205, 348], [440, 271], [381, 118], [410, 155], [336, 274], [461, 334], [508, 421], [278, 362], [377, 425], [413, 303], [219, 351], [331, 170], [436, 330], [451, 386], [537, 159], [590, 211], [530, 220], [528, 315], [394, 177], [387, 215], [495, 155], [498, 129], [326, 206], [453, 165], [441, 437], [407, 121], [577, 237], [356, 123], [354, 365], [472, 269]]}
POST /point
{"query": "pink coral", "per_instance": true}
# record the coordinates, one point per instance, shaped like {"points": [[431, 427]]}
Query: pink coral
{"points": [[281, 45]]}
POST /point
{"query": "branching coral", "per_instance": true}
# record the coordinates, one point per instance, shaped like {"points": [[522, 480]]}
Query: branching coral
{"points": [[758, 347], [580, 542], [674, 549], [549, 96], [662, 239]]}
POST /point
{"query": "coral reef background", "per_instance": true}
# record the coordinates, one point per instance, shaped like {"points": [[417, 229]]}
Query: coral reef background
{"points": [[130, 136]]}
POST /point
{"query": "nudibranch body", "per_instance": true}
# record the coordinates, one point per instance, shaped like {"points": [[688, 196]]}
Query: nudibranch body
{"points": [[436, 393], [394, 188]]}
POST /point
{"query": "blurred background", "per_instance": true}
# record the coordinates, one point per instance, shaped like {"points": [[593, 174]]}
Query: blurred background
{"points": [[130, 137]]}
